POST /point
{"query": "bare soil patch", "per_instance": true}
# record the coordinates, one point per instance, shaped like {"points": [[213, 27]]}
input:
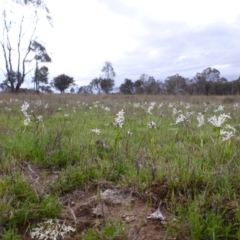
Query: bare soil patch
{"points": [[90, 207], [94, 207]]}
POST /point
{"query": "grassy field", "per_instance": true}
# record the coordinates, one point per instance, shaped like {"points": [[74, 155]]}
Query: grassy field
{"points": [[96, 167]]}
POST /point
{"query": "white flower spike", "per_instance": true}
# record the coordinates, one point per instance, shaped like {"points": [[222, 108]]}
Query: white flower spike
{"points": [[152, 124], [96, 131]]}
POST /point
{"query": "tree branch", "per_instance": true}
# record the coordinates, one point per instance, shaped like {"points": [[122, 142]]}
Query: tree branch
{"points": [[21, 78], [19, 43]]}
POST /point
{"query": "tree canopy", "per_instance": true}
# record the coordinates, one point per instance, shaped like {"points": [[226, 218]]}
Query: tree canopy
{"points": [[18, 42], [127, 87], [108, 71], [62, 82], [37, 4]]}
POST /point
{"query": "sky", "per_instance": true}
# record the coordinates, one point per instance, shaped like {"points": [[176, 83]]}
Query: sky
{"points": [[155, 37]]}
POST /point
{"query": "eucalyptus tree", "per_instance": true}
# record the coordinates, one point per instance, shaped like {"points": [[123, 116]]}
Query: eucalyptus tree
{"points": [[40, 76], [37, 4], [41, 56], [62, 82], [205, 79], [108, 71], [127, 87], [107, 81], [175, 84], [104, 83], [19, 23]]}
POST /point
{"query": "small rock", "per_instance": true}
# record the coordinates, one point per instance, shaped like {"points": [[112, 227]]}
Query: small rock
{"points": [[129, 218], [100, 210], [164, 223]]}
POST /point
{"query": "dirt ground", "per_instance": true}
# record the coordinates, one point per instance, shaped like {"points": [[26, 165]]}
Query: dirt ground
{"points": [[86, 209], [114, 204]]}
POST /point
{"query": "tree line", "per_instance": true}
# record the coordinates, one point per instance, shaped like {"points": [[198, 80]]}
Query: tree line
{"points": [[207, 82]]}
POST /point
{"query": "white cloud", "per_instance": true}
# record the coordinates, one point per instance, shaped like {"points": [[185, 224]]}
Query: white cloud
{"points": [[156, 37]]}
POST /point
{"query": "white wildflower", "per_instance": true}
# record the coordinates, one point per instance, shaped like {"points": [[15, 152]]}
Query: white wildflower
{"points": [[160, 105], [119, 120], [152, 124], [51, 230], [27, 121], [152, 104], [218, 121], [235, 105], [188, 105], [107, 109], [129, 133], [180, 118], [150, 108], [66, 115], [219, 109], [200, 119], [188, 114], [230, 128], [136, 105], [96, 131], [25, 107], [227, 132], [175, 111], [39, 118]]}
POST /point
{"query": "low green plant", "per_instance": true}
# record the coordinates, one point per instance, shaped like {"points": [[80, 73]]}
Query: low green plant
{"points": [[10, 235], [110, 230], [50, 207], [21, 204]]}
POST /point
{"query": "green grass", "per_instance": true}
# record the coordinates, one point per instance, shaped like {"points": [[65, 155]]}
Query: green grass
{"points": [[200, 170], [111, 230]]}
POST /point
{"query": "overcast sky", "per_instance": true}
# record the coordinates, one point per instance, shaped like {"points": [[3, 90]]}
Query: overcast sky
{"points": [[156, 37]]}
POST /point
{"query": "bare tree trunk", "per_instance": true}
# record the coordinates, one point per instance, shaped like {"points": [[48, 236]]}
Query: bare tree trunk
{"points": [[15, 78]]}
